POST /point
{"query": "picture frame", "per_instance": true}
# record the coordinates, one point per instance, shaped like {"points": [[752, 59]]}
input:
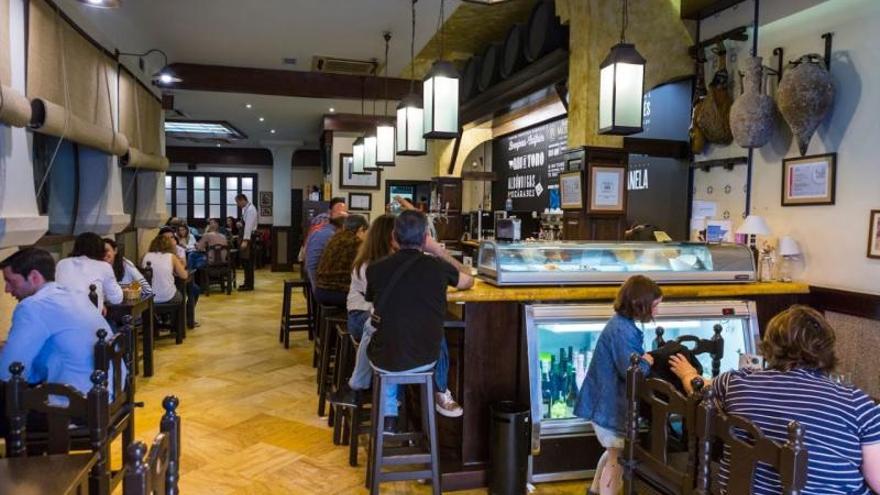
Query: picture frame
{"points": [[874, 234], [607, 189], [370, 181], [809, 180], [265, 203], [571, 194], [360, 201]]}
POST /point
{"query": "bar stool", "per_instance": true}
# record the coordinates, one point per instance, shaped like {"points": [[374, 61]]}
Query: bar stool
{"points": [[330, 317], [343, 365], [291, 322], [379, 457], [350, 420]]}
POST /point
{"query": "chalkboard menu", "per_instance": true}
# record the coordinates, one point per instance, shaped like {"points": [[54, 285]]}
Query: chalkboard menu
{"points": [[528, 164]]}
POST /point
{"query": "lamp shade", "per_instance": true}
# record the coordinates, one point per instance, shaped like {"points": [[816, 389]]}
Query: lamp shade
{"points": [[410, 126], [789, 247], [357, 157], [754, 225], [370, 151], [440, 90], [621, 91], [385, 145]]}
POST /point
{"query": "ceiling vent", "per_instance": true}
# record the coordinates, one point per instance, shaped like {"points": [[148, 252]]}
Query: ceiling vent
{"points": [[343, 66]]}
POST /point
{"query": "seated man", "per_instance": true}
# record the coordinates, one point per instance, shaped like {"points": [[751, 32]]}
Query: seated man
{"points": [[53, 328], [319, 235], [408, 291], [212, 237], [333, 275]]}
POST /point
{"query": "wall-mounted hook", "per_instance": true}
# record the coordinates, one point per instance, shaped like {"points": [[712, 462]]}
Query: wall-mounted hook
{"points": [[779, 53], [827, 37]]}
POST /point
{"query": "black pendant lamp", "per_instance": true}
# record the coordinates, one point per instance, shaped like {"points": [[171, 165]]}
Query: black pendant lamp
{"points": [[410, 114], [622, 87], [384, 128], [440, 90], [357, 150]]}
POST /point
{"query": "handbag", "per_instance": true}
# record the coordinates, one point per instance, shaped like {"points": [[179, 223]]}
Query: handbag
{"points": [[379, 306]]}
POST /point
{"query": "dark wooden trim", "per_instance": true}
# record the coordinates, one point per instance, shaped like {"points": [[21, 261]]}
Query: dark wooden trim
{"points": [[167, 101], [306, 158], [273, 82], [455, 147], [546, 72], [847, 302], [735, 34], [485, 176], [657, 147], [721, 162], [221, 156], [352, 122]]}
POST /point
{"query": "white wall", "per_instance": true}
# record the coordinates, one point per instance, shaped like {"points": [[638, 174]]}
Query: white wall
{"points": [[834, 238], [407, 168], [301, 178]]}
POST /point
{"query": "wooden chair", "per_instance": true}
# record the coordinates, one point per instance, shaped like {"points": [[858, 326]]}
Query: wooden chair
{"points": [[218, 269], [158, 474], [64, 408], [744, 445], [176, 310], [648, 459], [713, 346]]}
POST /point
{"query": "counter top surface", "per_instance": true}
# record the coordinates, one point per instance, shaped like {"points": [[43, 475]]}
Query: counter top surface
{"points": [[486, 292]]}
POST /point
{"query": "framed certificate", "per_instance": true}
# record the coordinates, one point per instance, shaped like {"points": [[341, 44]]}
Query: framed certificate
{"points": [[360, 201], [570, 192], [607, 189], [874, 235], [350, 180], [809, 180]]}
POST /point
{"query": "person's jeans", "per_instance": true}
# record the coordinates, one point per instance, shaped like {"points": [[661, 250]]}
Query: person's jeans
{"points": [[363, 374], [392, 390], [357, 318]]}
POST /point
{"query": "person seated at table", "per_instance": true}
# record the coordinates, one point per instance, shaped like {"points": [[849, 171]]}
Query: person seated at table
{"points": [[86, 266], [185, 238], [840, 421], [165, 265], [126, 272], [321, 229], [170, 233], [211, 238], [333, 275], [53, 327], [230, 229]]}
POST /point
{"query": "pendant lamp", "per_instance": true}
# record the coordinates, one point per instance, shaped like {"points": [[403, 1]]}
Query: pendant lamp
{"points": [[357, 157], [370, 151], [440, 90], [410, 115], [622, 87], [384, 129]]}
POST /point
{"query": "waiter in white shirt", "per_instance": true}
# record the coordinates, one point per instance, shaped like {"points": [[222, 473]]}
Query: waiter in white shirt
{"points": [[249, 216]]}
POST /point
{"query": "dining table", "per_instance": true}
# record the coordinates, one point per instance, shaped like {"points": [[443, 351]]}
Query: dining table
{"points": [[140, 310], [61, 474]]}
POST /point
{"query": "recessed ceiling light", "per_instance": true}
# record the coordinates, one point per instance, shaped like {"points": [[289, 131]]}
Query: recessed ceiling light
{"points": [[218, 145], [103, 4], [332, 109], [272, 131], [262, 119], [248, 105]]}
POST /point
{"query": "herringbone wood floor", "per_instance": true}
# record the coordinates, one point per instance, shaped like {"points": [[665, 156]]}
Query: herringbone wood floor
{"points": [[248, 405]]}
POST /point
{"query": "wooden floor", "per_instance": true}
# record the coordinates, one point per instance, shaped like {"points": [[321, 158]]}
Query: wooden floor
{"points": [[248, 405]]}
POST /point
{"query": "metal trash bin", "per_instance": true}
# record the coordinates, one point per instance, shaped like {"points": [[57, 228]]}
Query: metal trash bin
{"points": [[509, 444]]}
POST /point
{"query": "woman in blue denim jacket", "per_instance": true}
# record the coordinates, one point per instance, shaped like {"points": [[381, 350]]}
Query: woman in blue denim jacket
{"points": [[602, 396]]}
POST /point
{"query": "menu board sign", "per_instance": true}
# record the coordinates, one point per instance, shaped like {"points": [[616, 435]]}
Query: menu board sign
{"points": [[528, 164]]}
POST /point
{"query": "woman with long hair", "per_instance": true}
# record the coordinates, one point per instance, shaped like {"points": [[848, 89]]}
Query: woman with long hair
{"points": [[164, 262], [86, 267], [125, 271]]}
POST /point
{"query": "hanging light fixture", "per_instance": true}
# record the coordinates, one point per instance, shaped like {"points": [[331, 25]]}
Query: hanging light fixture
{"points": [[370, 139], [357, 149], [440, 90], [384, 129], [410, 115], [621, 87]]}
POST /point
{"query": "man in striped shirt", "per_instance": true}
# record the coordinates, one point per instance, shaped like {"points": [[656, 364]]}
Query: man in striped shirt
{"points": [[841, 423]]}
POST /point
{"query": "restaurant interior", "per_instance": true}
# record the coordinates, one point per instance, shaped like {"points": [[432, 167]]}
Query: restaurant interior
{"points": [[556, 149]]}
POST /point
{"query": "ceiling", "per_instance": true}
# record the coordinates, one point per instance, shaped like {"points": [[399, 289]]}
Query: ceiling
{"points": [[260, 33]]}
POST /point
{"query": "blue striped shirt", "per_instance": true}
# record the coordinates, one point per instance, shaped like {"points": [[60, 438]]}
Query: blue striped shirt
{"points": [[837, 421]]}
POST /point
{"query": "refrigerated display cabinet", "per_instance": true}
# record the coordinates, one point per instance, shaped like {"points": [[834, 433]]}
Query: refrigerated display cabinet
{"points": [[571, 263], [561, 339]]}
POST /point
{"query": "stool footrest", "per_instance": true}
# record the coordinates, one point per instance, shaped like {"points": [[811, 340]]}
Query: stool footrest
{"points": [[405, 475], [405, 459]]}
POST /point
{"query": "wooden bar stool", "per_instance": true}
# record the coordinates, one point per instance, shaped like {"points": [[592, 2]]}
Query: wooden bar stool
{"points": [[382, 455], [343, 365], [330, 317], [290, 321], [350, 420]]}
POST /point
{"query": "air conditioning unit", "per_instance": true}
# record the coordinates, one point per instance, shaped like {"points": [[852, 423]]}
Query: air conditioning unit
{"points": [[344, 66]]}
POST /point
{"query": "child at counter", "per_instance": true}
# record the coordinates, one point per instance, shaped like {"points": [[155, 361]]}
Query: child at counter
{"points": [[601, 399]]}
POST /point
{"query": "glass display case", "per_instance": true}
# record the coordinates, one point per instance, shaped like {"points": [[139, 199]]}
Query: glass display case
{"points": [[561, 263], [561, 342]]}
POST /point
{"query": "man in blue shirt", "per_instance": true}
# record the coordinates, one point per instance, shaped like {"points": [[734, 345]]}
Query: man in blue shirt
{"points": [[317, 241], [53, 329]]}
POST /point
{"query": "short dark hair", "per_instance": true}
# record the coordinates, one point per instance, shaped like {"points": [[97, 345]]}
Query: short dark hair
{"points": [[354, 223], [635, 298], [335, 201], [799, 337], [90, 245], [23, 262], [241, 196], [410, 228]]}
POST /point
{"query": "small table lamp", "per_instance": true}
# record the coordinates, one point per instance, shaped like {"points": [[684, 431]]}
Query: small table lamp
{"points": [[752, 227], [788, 249]]}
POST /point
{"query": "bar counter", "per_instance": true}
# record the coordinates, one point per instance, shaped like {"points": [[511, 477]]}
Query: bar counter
{"points": [[488, 357]]}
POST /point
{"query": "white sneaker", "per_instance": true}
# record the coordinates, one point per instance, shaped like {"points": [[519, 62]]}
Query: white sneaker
{"points": [[446, 405]]}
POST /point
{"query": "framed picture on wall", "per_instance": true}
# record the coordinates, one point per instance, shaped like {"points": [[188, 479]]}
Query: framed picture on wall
{"points": [[349, 180], [809, 180], [571, 194], [874, 235], [607, 187], [360, 201], [265, 203]]}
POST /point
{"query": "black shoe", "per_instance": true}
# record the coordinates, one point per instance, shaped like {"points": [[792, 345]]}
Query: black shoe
{"points": [[345, 396], [245, 288], [390, 426]]}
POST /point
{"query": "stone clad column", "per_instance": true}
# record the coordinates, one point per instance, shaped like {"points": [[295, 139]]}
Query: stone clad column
{"points": [[283, 256]]}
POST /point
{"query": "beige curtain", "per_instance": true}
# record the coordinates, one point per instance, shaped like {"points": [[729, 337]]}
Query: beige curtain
{"points": [[15, 109], [69, 83], [140, 118]]}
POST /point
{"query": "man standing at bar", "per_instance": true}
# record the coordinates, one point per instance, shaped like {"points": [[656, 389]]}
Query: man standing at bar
{"points": [[246, 251]]}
